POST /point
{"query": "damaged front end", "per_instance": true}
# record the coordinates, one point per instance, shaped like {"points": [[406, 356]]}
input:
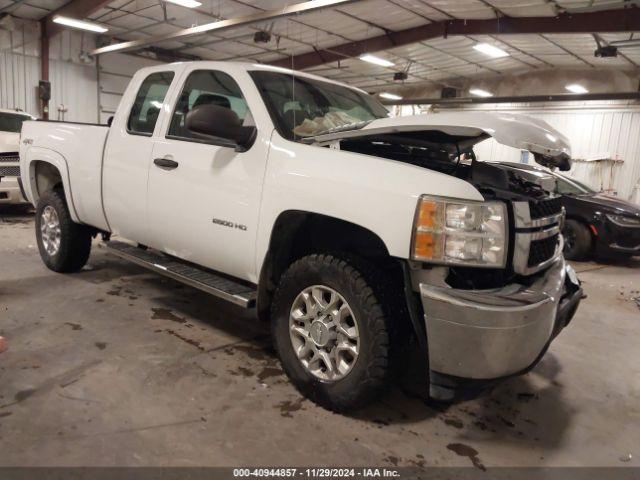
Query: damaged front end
{"points": [[493, 294], [476, 337]]}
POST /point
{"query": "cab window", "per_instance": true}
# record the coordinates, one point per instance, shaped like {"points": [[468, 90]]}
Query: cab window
{"points": [[146, 107], [207, 87]]}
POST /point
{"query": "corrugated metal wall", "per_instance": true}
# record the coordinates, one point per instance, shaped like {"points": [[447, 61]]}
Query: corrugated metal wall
{"points": [[115, 71], [90, 94], [73, 84], [595, 129], [18, 79]]}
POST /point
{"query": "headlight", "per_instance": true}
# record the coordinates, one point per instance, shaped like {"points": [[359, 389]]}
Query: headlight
{"points": [[464, 233], [624, 220]]}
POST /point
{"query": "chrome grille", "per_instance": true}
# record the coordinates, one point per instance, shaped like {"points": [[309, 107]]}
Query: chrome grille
{"points": [[538, 241], [536, 214], [545, 208], [10, 171], [9, 157], [542, 250]]}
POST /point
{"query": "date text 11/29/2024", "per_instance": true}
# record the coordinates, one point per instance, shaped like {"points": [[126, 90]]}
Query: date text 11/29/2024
{"points": [[316, 472]]}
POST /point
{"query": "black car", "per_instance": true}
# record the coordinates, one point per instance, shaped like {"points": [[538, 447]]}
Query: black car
{"points": [[596, 224]]}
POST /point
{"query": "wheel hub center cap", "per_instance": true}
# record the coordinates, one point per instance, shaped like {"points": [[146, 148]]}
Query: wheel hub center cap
{"points": [[319, 333]]}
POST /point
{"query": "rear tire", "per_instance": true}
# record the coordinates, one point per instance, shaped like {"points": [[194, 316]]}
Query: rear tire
{"points": [[64, 245], [577, 240], [360, 324]]}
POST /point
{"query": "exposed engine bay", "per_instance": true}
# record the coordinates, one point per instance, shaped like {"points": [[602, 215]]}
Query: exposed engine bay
{"points": [[453, 156]]}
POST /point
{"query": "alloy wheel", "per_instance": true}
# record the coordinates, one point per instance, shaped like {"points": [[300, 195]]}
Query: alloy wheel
{"points": [[324, 333], [50, 230]]}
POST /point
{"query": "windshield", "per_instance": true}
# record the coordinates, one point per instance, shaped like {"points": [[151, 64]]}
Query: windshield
{"points": [[12, 122], [566, 186], [301, 107], [587, 188]]}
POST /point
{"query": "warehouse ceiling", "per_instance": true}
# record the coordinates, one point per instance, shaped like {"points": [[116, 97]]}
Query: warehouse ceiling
{"points": [[436, 60]]}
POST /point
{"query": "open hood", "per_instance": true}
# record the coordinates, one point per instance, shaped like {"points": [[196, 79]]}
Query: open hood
{"points": [[550, 147]]}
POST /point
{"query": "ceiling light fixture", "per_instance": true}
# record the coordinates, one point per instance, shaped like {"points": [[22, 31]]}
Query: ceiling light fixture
{"points": [[376, 60], [490, 50], [478, 92], [576, 88], [390, 96], [185, 3], [82, 25]]}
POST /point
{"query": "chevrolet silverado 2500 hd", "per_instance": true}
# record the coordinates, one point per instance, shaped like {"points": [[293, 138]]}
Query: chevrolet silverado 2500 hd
{"points": [[351, 232]]}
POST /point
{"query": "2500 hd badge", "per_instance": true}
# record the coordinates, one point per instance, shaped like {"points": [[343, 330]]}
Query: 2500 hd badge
{"points": [[226, 223]]}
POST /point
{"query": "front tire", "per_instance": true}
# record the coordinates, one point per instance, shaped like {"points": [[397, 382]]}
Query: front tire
{"points": [[64, 245], [577, 240], [330, 332]]}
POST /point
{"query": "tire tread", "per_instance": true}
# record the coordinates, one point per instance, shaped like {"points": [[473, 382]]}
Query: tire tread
{"points": [[360, 274], [75, 245], [583, 240]]}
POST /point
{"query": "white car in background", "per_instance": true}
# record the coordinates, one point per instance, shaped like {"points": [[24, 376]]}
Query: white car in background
{"points": [[10, 125]]}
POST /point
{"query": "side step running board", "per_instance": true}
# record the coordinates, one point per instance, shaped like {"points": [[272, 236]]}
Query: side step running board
{"points": [[216, 284]]}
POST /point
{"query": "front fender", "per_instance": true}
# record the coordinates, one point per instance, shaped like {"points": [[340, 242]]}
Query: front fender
{"points": [[374, 193], [40, 154]]}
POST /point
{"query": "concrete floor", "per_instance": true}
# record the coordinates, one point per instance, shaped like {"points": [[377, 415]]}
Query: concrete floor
{"points": [[117, 366]]}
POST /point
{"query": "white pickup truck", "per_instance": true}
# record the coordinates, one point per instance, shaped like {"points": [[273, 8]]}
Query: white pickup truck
{"points": [[10, 125], [354, 234]]}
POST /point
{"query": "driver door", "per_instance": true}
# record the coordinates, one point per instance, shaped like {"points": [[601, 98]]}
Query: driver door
{"points": [[203, 199]]}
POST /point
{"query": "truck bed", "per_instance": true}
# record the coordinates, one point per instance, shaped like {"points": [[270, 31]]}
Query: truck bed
{"points": [[76, 149]]}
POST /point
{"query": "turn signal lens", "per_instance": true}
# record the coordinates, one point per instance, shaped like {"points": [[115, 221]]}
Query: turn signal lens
{"points": [[428, 245], [454, 232], [428, 217]]}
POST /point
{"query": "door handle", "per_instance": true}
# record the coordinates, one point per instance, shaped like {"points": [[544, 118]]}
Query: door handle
{"points": [[166, 163]]}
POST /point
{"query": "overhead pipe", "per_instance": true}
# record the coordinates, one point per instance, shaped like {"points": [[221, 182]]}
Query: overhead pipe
{"points": [[296, 8], [560, 97], [635, 42]]}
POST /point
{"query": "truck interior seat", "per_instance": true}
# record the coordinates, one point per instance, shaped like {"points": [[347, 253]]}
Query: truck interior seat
{"points": [[212, 99], [152, 117], [178, 128]]}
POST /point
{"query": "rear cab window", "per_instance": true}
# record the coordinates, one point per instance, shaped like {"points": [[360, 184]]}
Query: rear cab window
{"points": [[148, 103]]}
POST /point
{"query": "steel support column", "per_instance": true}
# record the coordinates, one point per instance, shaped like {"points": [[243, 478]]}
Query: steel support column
{"points": [[44, 67]]}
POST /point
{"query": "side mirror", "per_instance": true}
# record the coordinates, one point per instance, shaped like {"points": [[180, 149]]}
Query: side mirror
{"points": [[561, 162], [221, 125]]}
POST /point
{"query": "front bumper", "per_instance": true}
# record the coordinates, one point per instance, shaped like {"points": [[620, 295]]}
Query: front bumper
{"points": [[617, 239], [10, 191], [489, 334]]}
